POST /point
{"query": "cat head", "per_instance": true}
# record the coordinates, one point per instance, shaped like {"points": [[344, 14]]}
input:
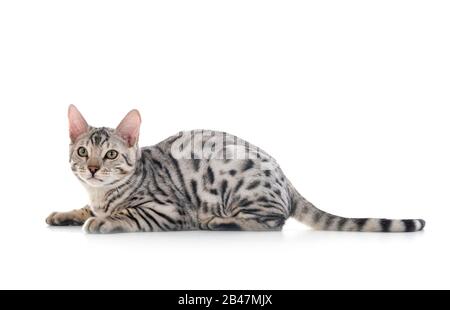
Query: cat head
{"points": [[102, 157]]}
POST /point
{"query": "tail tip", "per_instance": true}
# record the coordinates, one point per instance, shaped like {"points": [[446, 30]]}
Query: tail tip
{"points": [[422, 225]]}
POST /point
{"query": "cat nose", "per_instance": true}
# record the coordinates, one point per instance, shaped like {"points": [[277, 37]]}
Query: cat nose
{"points": [[93, 169]]}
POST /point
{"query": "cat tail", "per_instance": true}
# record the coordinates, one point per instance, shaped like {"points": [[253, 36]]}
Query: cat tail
{"points": [[307, 213]]}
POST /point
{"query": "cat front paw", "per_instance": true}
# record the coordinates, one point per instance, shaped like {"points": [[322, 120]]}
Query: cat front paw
{"points": [[101, 225], [62, 219]]}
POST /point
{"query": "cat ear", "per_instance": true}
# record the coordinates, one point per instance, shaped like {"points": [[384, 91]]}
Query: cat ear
{"points": [[77, 123], [128, 128]]}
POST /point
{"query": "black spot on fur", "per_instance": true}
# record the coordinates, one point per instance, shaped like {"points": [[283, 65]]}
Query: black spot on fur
{"points": [[267, 173], [223, 189], [196, 163], [232, 172], [214, 191], [341, 223], [328, 222], [248, 165], [245, 202], [210, 175], [409, 225], [69, 223], [227, 226], [97, 139], [180, 176], [385, 225], [360, 223], [238, 185], [262, 199], [157, 163], [267, 185], [194, 191], [253, 184], [317, 216], [205, 208]]}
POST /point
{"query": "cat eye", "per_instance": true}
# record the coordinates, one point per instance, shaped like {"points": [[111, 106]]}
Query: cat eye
{"points": [[82, 152], [111, 154]]}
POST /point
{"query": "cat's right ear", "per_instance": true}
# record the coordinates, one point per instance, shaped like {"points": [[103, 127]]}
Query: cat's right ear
{"points": [[128, 128], [77, 123]]}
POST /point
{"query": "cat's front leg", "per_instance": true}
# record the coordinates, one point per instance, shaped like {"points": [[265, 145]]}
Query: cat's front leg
{"points": [[106, 225], [125, 220], [71, 218], [134, 219]]}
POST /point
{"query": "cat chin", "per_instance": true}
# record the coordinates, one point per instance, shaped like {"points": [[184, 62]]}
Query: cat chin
{"points": [[95, 182], [100, 183]]}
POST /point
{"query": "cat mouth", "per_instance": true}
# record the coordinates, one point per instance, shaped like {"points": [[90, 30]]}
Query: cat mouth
{"points": [[95, 179]]}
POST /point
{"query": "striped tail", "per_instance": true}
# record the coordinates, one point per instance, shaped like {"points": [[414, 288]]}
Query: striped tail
{"points": [[307, 213]]}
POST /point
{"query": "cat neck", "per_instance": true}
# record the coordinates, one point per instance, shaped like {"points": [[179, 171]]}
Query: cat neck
{"points": [[97, 196]]}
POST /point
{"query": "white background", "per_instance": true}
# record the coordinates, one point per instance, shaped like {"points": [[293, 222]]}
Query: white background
{"points": [[351, 97]]}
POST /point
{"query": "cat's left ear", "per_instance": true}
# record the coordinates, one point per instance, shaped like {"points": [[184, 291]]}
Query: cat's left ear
{"points": [[128, 128], [77, 123]]}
